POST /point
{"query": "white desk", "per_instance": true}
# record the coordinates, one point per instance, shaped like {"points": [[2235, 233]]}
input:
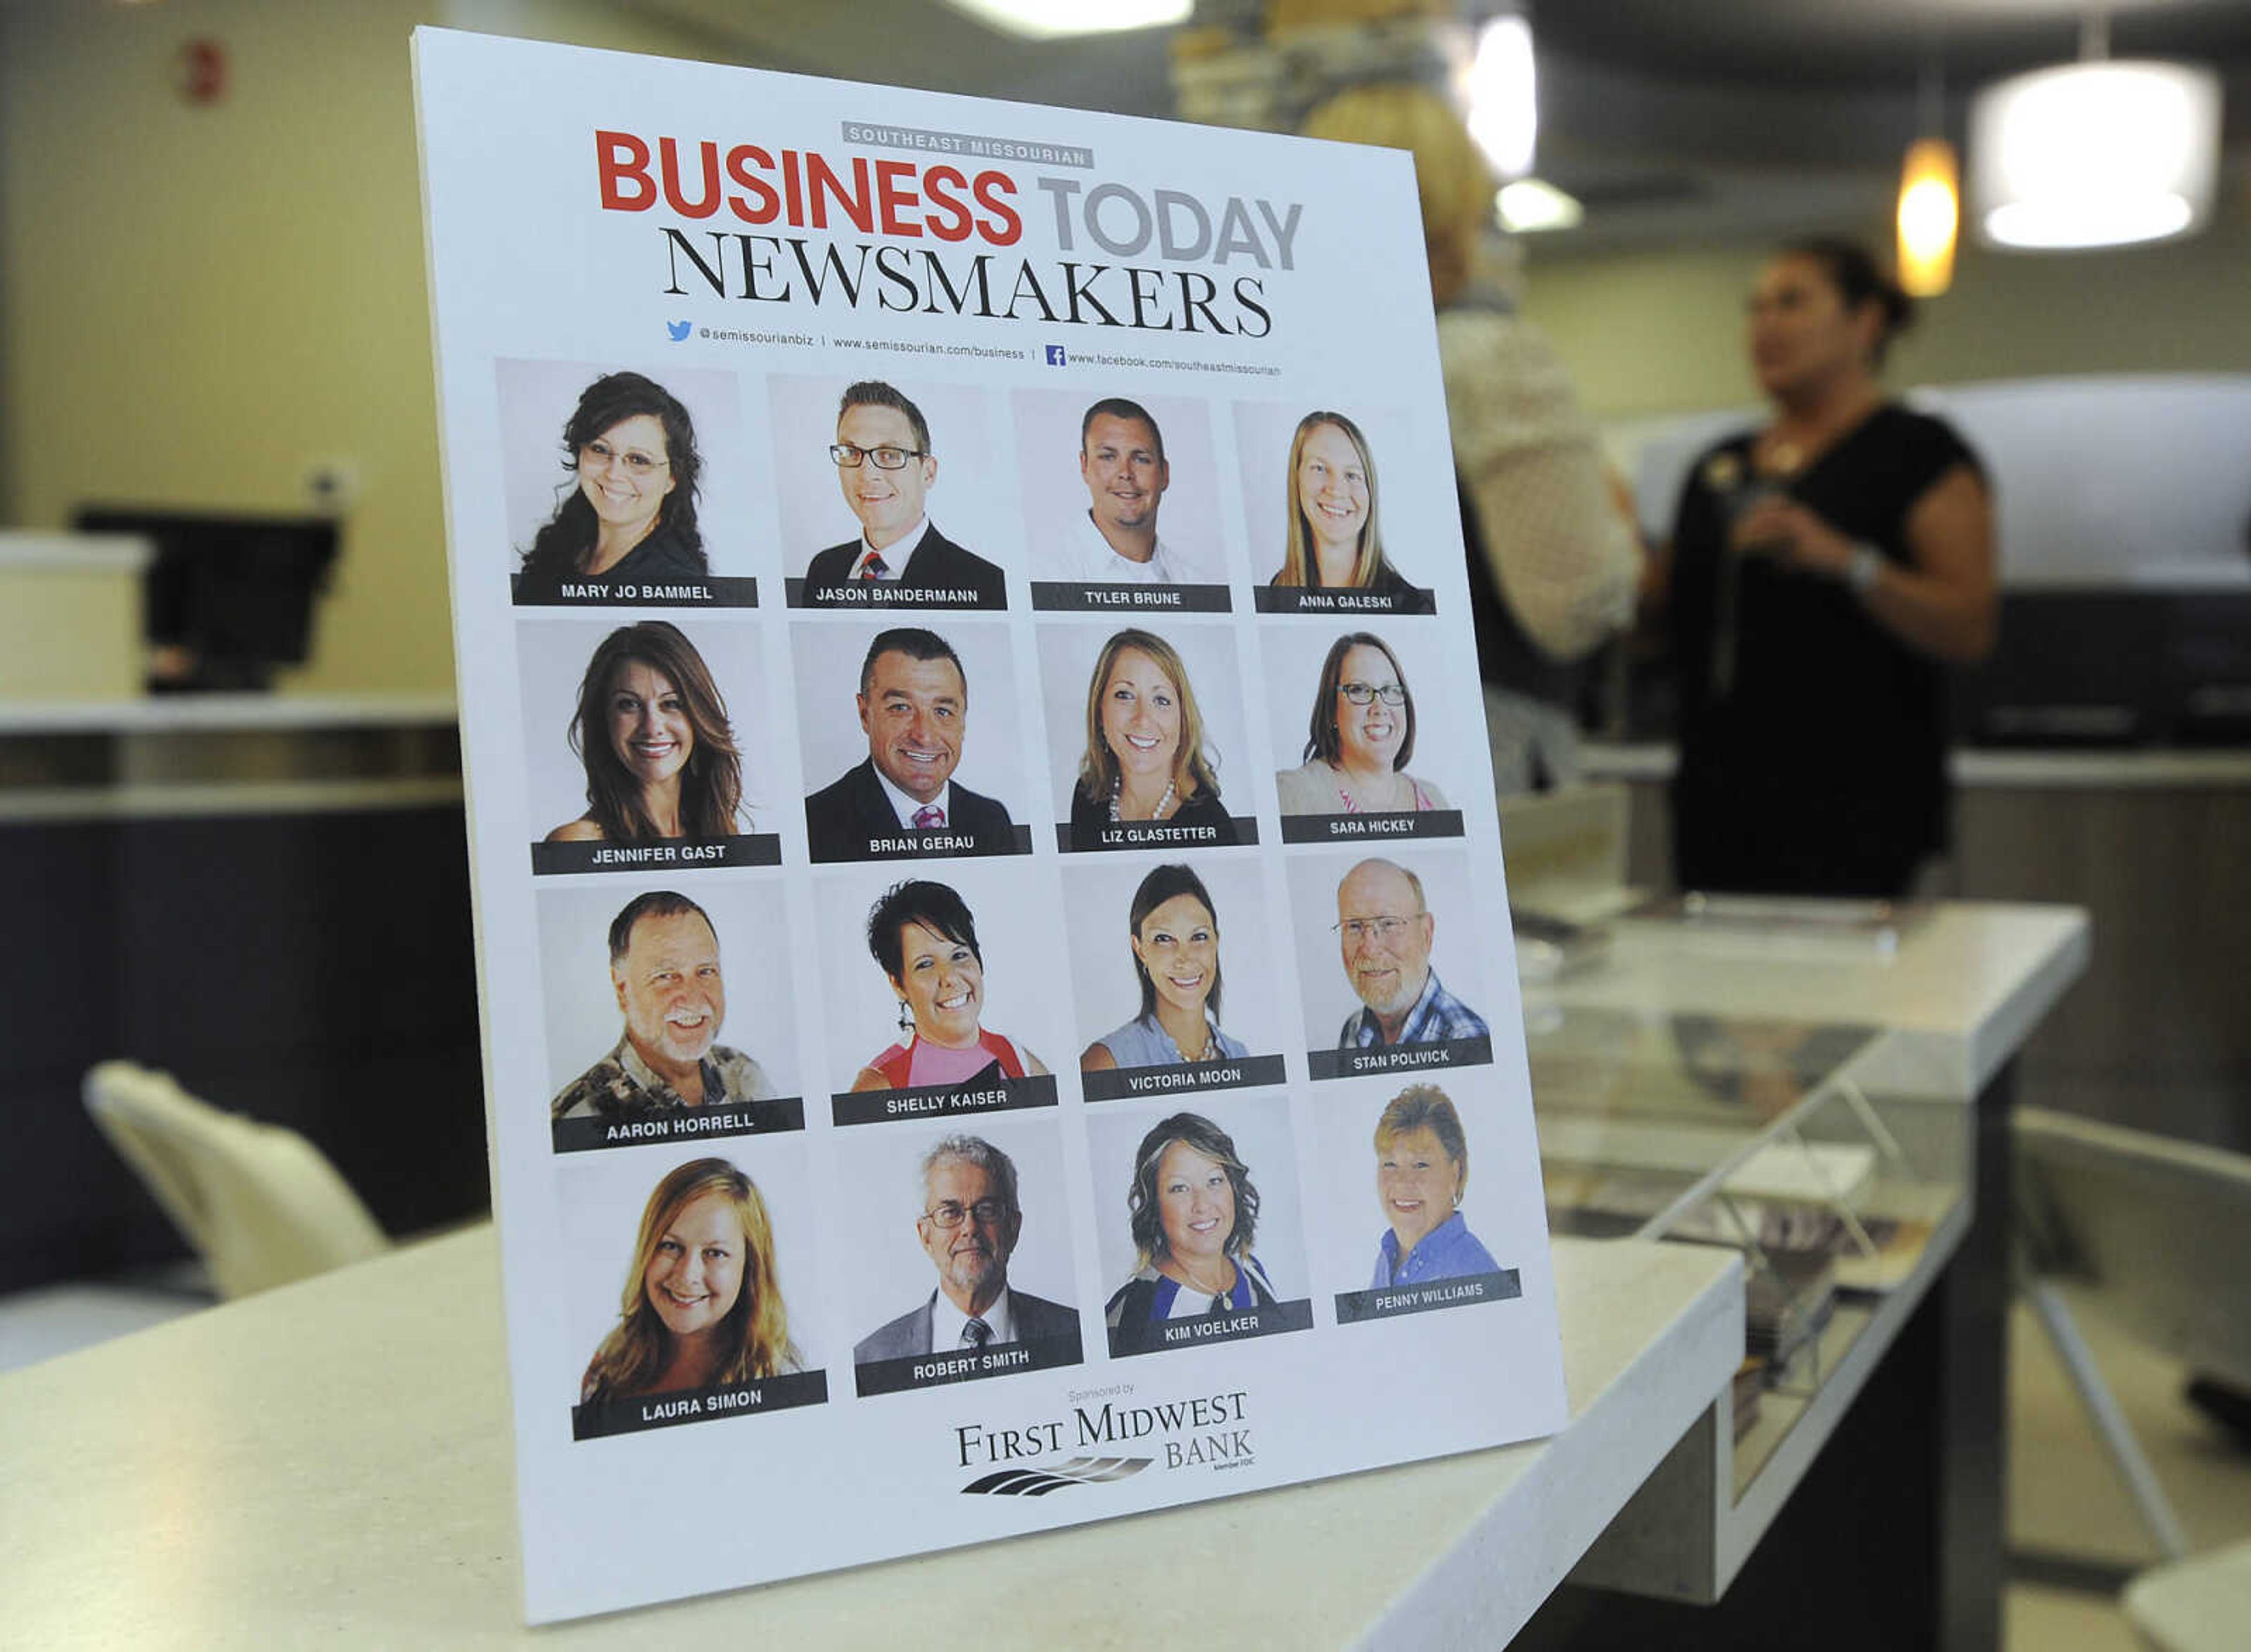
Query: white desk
{"points": [[328, 1463]]}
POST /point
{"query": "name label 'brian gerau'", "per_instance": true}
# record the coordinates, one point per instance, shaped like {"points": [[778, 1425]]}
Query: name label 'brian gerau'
{"points": [[924, 843]]}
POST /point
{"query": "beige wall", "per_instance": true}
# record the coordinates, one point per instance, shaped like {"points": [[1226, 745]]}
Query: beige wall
{"points": [[1657, 332], [200, 303]]}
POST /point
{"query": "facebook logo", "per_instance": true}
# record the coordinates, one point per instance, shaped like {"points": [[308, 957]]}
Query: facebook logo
{"points": [[1054, 355]]}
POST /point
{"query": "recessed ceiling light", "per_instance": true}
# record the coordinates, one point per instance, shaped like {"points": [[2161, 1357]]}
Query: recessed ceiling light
{"points": [[1528, 204], [1055, 20]]}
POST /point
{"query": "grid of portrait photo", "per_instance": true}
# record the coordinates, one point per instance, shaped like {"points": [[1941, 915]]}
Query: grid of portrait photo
{"points": [[997, 869]]}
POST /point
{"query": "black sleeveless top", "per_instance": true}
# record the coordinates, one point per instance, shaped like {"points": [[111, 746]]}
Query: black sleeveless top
{"points": [[1812, 740]]}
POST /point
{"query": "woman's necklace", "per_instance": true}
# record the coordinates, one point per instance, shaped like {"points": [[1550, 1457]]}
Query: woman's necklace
{"points": [[1401, 798], [1217, 1293], [1164, 804]]}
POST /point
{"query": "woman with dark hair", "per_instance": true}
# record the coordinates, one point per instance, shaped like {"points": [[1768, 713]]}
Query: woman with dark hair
{"points": [[1174, 933], [1193, 1211], [630, 513], [1145, 757], [1333, 542], [1421, 1170], [1359, 739], [1823, 570], [922, 938], [702, 1306], [652, 729]]}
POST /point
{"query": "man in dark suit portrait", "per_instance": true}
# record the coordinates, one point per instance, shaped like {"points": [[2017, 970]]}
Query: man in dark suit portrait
{"points": [[969, 1224], [885, 467], [914, 708]]}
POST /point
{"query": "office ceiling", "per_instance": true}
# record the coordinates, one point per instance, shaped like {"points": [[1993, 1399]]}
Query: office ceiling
{"points": [[1670, 118]]}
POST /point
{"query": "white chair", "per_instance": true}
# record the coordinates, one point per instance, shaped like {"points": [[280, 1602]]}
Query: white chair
{"points": [[261, 1204], [2158, 1229], [2193, 1605]]}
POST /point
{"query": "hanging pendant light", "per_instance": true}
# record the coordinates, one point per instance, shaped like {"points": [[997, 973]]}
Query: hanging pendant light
{"points": [[2097, 153], [1929, 215]]}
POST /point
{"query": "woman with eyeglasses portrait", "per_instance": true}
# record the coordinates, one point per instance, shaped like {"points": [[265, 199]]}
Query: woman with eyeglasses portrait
{"points": [[1358, 740], [629, 515]]}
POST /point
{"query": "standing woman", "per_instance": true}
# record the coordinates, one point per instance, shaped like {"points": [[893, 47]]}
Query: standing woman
{"points": [[1823, 570], [630, 513]]}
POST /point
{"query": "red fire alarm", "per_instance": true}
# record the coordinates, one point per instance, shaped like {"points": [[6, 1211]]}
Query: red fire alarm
{"points": [[200, 72]]}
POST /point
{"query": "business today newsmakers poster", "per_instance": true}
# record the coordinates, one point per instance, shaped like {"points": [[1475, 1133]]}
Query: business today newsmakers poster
{"points": [[999, 1001]]}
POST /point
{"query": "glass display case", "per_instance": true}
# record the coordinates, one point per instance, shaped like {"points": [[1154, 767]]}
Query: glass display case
{"points": [[1758, 1135]]}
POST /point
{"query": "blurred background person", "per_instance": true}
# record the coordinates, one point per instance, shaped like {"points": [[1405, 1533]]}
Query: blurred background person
{"points": [[1421, 1170], [1358, 740], [701, 1307], [1554, 556], [1174, 933], [1145, 755], [630, 514], [652, 729], [924, 940], [1823, 571]]}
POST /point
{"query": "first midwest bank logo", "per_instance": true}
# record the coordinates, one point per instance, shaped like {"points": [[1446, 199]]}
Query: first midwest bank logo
{"points": [[1206, 1431]]}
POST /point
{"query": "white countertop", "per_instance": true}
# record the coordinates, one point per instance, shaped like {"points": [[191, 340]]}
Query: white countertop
{"points": [[1963, 992], [213, 713], [329, 1463], [2123, 770]]}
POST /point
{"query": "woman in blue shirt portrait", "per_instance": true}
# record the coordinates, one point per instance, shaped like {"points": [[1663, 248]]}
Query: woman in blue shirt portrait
{"points": [[1421, 1166], [1173, 931]]}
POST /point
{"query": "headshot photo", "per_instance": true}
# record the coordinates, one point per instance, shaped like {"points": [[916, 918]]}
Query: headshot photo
{"points": [[1173, 937], [637, 727], [702, 1305], [1332, 532], [1421, 1171], [922, 938], [1130, 737], [884, 458], [1359, 735], [652, 1036], [1118, 491], [968, 1218], [1368, 951], [1199, 1207], [899, 790], [646, 486]]}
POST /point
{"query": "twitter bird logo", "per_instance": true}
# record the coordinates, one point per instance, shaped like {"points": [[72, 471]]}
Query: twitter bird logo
{"points": [[679, 330]]}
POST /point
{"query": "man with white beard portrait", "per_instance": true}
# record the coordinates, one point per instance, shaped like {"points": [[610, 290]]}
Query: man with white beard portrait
{"points": [[664, 966]]}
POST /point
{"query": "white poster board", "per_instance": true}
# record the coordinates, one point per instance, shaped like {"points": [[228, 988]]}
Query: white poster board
{"points": [[738, 985]]}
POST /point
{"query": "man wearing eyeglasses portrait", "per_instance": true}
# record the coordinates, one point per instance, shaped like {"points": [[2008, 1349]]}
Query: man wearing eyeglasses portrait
{"points": [[886, 466], [968, 1225], [1385, 931]]}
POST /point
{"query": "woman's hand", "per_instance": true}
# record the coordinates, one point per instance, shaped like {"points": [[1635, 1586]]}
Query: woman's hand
{"points": [[1779, 526], [1943, 602]]}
